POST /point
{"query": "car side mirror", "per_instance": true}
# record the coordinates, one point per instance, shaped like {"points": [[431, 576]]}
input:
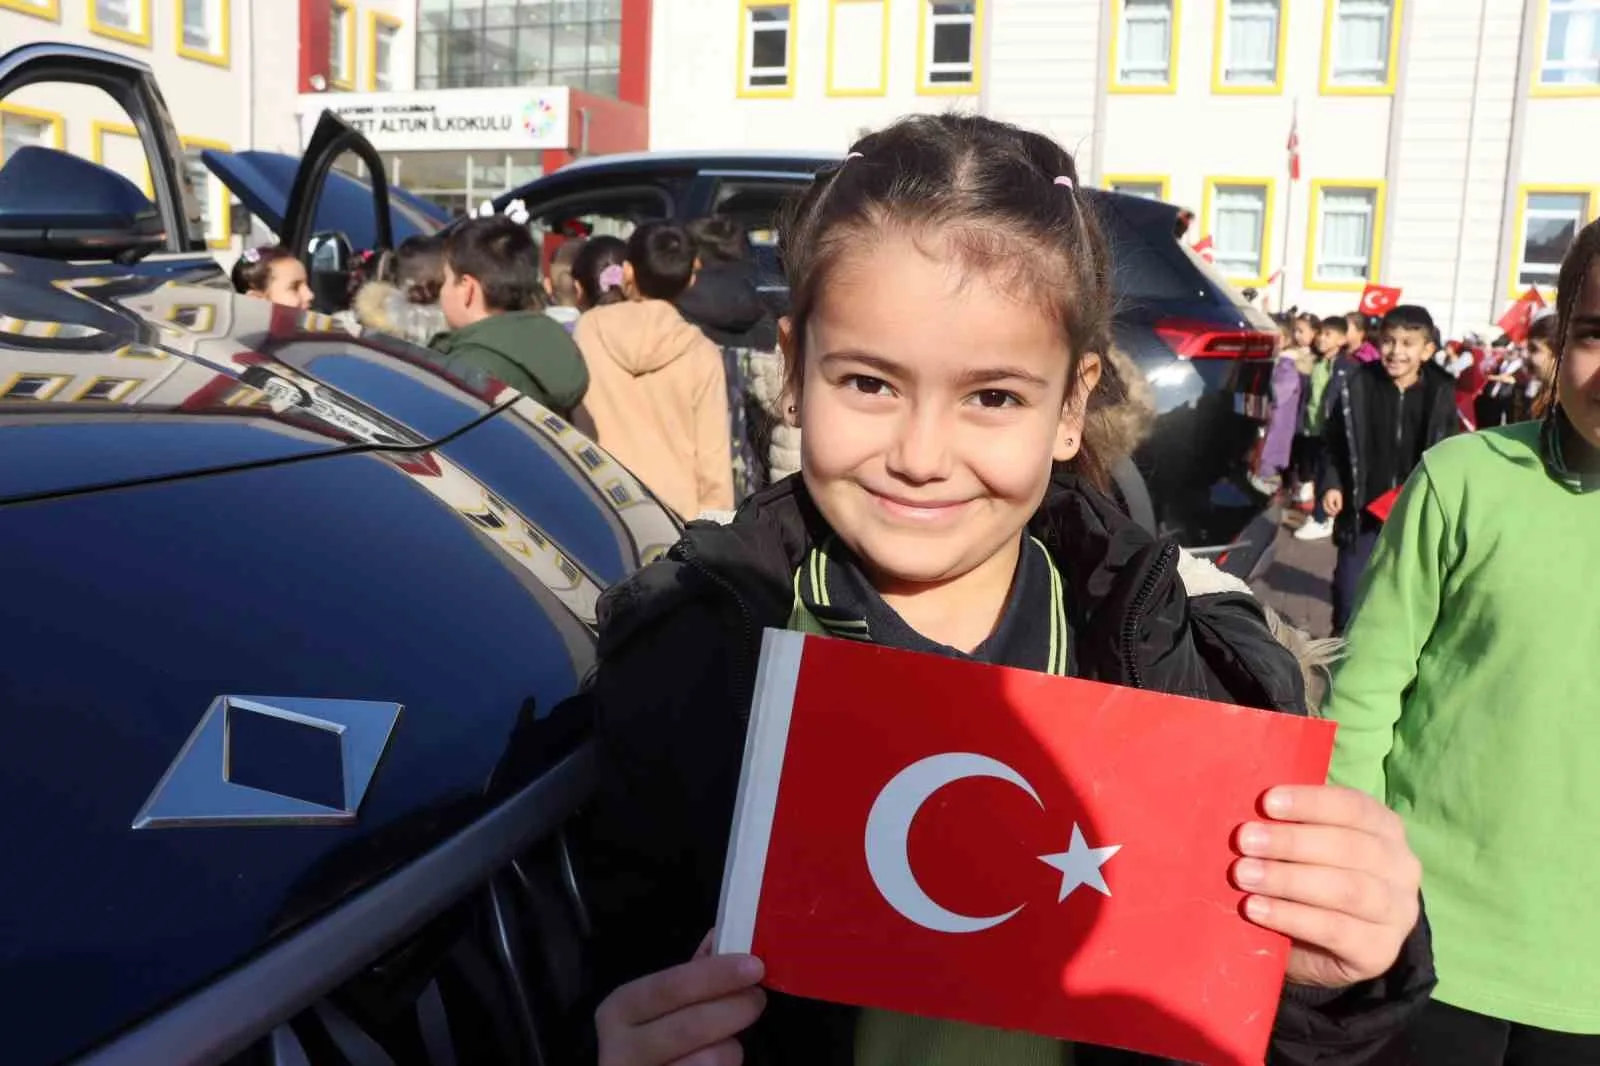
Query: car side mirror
{"points": [[328, 272], [105, 217]]}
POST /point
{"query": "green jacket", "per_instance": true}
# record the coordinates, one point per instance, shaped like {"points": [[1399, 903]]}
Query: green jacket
{"points": [[527, 350], [1467, 702]]}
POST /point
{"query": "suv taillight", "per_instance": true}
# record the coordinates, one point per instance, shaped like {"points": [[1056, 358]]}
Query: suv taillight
{"points": [[1204, 340]]}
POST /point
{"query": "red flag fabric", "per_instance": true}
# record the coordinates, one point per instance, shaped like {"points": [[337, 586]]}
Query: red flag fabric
{"points": [[1294, 147], [1519, 316], [1205, 247], [1383, 505], [954, 840], [1379, 300]]}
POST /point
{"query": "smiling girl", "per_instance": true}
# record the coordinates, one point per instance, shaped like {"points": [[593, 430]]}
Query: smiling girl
{"points": [[1467, 703], [272, 272], [950, 308]]}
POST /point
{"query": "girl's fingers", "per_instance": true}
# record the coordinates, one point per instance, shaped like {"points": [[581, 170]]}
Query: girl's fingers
{"points": [[1330, 805], [659, 994], [1322, 845], [1359, 946], [700, 1028], [1350, 892], [704, 950]]}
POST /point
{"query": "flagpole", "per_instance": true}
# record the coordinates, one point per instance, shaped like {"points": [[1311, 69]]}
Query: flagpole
{"points": [[1288, 210]]}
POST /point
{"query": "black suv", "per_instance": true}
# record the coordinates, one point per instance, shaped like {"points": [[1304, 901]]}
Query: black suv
{"points": [[1207, 353]]}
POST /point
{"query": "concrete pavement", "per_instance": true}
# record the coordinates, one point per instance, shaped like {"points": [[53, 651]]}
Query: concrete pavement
{"points": [[1296, 584]]}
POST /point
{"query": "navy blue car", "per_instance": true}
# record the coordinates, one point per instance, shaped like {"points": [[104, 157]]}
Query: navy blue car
{"points": [[291, 625]]}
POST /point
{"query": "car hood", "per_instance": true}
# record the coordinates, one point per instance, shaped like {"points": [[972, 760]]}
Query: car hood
{"points": [[263, 180]]}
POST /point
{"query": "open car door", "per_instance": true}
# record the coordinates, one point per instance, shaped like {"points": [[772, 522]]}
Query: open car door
{"points": [[327, 253]]}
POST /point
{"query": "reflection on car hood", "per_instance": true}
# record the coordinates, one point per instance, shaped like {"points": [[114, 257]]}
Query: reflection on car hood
{"points": [[110, 378]]}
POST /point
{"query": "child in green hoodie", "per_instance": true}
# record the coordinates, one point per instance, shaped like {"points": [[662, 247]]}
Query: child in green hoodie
{"points": [[1467, 703], [493, 302]]}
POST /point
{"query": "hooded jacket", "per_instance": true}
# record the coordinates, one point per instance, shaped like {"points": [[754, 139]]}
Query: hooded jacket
{"points": [[1353, 414], [679, 644], [724, 302], [658, 402], [527, 350], [381, 306]]}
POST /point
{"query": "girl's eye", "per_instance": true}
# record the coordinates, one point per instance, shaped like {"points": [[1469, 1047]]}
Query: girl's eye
{"points": [[870, 386], [996, 398]]}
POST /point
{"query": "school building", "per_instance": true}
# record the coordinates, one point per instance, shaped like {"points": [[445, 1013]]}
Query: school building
{"points": [[1445, 146]]}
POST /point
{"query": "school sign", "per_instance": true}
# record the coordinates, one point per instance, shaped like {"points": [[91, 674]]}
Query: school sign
{"points": [[448, 120]]}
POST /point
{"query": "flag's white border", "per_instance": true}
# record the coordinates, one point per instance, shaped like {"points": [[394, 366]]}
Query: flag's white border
{"points": [[766, 740]]}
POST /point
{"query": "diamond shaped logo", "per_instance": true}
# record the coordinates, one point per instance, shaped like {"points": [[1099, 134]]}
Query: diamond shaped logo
{"points": [[272, 760]]}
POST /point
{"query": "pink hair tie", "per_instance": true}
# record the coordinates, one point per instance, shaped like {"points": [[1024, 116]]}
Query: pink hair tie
{"points": [[611, 278], [1065, 181]]}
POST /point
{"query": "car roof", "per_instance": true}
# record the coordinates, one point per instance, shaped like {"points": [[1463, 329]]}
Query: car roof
{"points": [[711, 159]]}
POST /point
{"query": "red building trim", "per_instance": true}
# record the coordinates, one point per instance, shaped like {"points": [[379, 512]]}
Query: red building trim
{"points": [[633, 78], [316, 33]]}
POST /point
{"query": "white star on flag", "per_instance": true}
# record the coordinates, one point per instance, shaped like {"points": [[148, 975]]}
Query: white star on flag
{"points": [[1080, 865]]}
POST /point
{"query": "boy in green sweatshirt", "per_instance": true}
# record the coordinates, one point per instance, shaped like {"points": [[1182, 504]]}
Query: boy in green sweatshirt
{"points": [[493, 301], [1469, 702]]}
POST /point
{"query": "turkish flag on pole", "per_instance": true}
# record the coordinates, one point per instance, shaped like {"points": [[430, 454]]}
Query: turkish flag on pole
{"points": [[1294, 144], [1519, 316], [1206, 249], [944, 838], [1379, 300]]}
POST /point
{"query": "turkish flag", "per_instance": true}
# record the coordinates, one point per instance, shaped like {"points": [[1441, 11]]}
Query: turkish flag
{"points": [[1206, 248], [944, 838], [1519, 316], [1383, 505], [1379, 300]]}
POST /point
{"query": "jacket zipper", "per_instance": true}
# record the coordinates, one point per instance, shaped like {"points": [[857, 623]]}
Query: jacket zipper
{"points": [[747, 627], [1141, 603], [1399, 433]]}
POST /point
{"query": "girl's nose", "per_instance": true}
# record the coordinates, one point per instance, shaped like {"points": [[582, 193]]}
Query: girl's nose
{"points": [[922, 447]]}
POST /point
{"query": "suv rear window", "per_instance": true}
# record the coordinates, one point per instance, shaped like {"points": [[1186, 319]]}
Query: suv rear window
{"points": [[1147, 263]]}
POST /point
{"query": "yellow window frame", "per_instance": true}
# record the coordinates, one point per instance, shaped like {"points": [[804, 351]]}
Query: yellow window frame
{"points": [[925, 41], [882, 88], [56, 120], [345, 11], [1380, 199], [376, 19], [61, 381], [1268, 213], [1519, 235], [1219, 55], [41, 9], [98, 131], [1113, 85], [1541, 39], [123, 387], [1160, 181], [224, 56], [117, 33], [1325, 83], [221, 236], [743, 90]]}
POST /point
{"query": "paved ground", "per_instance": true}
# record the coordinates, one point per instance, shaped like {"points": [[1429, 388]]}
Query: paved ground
{"points": [[1296, 583]]}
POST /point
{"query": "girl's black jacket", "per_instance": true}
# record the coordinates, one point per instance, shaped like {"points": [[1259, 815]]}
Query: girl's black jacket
{"points": [[679, 643]]}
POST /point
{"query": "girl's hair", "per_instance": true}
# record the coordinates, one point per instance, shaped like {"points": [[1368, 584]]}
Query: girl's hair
{"points": [[999, 200], [252, 272], [1309, 319], [598, 270], [1575, 267], [367, 267], [419, 268]]}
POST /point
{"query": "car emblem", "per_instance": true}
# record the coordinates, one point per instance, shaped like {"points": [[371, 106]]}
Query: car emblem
{"points": [[272, 760]]}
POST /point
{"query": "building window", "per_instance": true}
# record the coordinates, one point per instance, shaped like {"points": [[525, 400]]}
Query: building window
{"points": [[1551, 219], [121, 20], [948, 45], [1146, 45], [858, 47], [767, 49], [203, 27], [1249, 45], [1571, 45], [1148, 187], [383, 33], [1238, 217], [108, 389], [1345, 241], [511, 43], [22, 126], [211, 195], [32, 386], [341, 45], [1358, 52], [45, 9]]}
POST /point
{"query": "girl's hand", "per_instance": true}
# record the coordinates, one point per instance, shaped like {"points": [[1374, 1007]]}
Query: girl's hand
{"points": [[1332, 872], [690, 1015], [1333, 501]]}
